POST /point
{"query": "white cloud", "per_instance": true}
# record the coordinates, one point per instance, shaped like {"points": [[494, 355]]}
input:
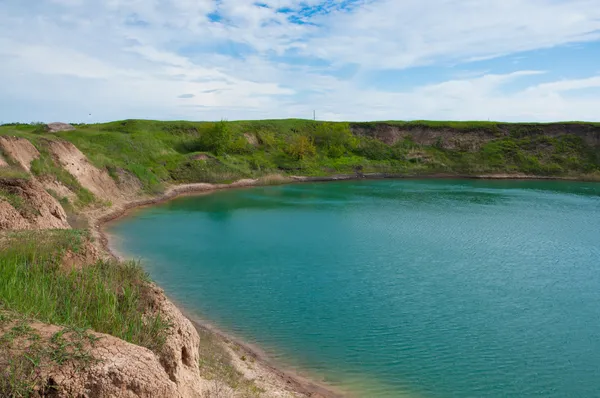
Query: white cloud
{"points": [[567, 85], [391, 33], [136, 58]]}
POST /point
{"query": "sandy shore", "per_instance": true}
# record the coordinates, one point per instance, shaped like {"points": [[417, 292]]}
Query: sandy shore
{"points": [[264, 368]]}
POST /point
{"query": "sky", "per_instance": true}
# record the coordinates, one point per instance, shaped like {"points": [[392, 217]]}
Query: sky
{"points": [[101, 60]]}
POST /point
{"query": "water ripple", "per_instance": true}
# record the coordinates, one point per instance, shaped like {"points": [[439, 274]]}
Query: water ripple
{"points": [[396, 288]]}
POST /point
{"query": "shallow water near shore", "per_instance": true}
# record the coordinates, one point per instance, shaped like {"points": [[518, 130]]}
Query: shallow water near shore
{"points": [[416, 288]]}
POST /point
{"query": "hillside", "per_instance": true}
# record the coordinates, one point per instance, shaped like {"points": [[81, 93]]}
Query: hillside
{"points": [[162, 153], [65, 292]]}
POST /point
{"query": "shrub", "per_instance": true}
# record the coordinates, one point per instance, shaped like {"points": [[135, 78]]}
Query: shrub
{"points": [[301, 147], [334, 137], [266, 138], [217, 138], [240, 146]]}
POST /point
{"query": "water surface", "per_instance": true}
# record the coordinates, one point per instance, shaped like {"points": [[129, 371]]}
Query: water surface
{"points": [[395, 288]]}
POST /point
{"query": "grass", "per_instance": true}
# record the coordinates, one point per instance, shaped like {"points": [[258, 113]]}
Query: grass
{"points": [[108, 297], [14, 172], [164, 153]]}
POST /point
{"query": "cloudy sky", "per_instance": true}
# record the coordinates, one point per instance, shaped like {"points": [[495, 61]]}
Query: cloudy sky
{"points": [[512, 60]]}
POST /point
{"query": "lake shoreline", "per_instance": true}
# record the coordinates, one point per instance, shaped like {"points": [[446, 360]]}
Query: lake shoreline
{"points": [[281, 375], [176, 191], [286, 377]]}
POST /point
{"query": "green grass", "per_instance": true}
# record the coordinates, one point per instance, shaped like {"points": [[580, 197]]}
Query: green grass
{"points": [[14, 173], [108, 297], [164, 153]]}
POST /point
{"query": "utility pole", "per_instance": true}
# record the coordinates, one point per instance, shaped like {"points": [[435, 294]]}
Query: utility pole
{"points": [[314, 115]]}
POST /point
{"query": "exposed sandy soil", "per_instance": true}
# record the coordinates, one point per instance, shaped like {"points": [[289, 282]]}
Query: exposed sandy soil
{"points": [[10, 218], [57, 126], [41, 210], [272, 378], [61, 190], [20, 150], [90, 177], [471, 139], [118, 369], [251, 138]]}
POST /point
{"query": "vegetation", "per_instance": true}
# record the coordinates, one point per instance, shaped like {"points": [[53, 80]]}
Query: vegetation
{"points": [[13, 172], [162, 153], [108, 297]]}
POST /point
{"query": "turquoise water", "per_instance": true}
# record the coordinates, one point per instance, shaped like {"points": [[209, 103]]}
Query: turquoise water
{"points": [[395, 288]]}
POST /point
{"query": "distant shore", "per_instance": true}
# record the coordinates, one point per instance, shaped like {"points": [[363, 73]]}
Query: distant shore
{"points": [[117, 212]]}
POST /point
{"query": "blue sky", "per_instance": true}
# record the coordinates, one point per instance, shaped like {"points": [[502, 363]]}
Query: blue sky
{"points": [[510, 60]]}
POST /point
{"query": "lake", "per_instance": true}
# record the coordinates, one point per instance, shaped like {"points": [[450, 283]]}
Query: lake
{"points": [[394, 288]]}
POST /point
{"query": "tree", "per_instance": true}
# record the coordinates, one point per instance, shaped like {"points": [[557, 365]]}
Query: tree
{"points": [[334, 137], [217, 138], [301, 147]]}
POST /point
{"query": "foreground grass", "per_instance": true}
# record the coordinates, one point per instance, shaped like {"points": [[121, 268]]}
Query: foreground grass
{"points": [[108, 297]]}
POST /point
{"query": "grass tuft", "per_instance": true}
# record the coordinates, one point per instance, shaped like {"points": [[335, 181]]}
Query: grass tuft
{"points": [[107, 296]]}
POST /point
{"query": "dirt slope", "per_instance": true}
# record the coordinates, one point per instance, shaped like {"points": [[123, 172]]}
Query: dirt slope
{"points": [[62, 191], [471, 139], [39, 210], [180, 354], [20, 150], [10, 218], [95, 180], [116, 369]]}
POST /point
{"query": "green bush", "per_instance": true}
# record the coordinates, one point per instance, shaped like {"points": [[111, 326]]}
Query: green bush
{"points": [[217, 138], [301, 147], [333, 137], [267, 138], [240, 146]]}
